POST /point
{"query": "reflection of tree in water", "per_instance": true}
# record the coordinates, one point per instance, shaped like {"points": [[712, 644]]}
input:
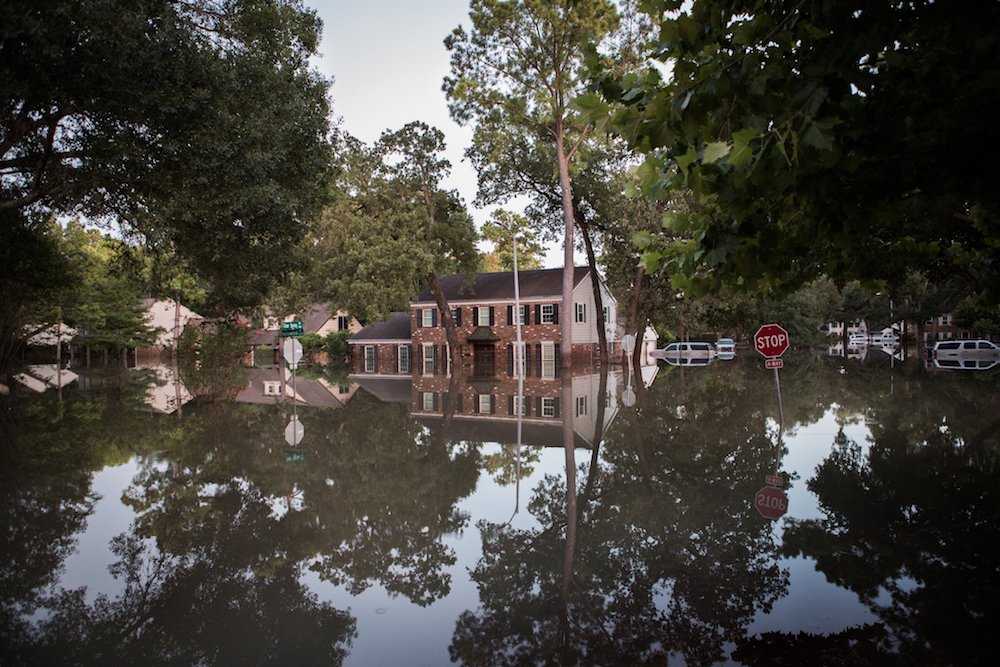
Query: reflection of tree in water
{"points": [[201, 608], [369, 503], [911, 527], [670, 557]]}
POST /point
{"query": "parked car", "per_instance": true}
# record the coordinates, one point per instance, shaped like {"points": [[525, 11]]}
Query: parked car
{"points": [[694, 353], [725, 348], [965, 350], [885, 339], [857, 339]]}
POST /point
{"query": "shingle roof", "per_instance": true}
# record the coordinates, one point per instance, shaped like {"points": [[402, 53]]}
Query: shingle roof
{"points": [[500, 286], [397, 327]]}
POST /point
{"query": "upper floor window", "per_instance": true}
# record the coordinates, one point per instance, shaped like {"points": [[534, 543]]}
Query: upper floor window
{"points": [[547, 314], [427, 318], [548, 360], [581, 406], [580, 312], [370, 359], [343, 323], [483, 316], [272, 388]]}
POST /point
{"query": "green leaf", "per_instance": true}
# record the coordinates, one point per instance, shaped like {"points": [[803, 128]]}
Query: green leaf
{"points": [[715, 151], [684, 161], [742, 152], [817, 139]]}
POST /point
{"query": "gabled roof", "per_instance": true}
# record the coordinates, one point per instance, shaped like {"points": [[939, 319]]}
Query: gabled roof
{"points": [[397, 327], [315, 317], [540, 283]]}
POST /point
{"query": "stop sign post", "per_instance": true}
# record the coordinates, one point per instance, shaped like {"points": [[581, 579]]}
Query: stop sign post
{"points": [[771, 502], [771, 340]]}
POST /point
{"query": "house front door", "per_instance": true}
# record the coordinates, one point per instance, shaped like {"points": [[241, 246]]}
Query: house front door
{"points": [[484, 360]]}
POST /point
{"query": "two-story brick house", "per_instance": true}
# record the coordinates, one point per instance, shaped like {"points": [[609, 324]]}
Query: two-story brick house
{"points": [[483, 307]]}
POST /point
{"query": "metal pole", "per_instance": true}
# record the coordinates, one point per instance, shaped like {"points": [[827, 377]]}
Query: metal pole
{"points": [[781, 421]]}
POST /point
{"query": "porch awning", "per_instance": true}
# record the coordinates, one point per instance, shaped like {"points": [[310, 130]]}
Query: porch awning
{"points": [[482, 335]]}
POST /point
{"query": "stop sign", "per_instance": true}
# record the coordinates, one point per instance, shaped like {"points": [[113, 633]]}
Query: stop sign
{"points": [[771, 340], [771, 502]]}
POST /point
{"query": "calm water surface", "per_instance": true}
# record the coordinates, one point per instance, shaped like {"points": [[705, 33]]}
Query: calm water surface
{"points": [[407, 526]]}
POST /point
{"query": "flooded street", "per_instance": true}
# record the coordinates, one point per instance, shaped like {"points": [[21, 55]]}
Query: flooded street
{"points": [[419, 521]]}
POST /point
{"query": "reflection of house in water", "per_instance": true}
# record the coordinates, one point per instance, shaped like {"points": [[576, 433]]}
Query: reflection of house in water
{"points": [[274, 385], [487, 410], [42, 377], [167, 392]]}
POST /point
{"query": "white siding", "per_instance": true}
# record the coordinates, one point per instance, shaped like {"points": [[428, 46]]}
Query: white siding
{"points": [[586, 332]]}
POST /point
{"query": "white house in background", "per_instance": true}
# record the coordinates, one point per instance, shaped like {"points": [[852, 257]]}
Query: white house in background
{"points": [[168, 319]]}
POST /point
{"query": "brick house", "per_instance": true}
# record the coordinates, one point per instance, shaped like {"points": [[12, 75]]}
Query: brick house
{"points": [[482, 305]]}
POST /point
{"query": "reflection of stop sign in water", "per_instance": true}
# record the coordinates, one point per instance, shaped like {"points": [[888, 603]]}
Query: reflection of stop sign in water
{"points": [[771, 502], [771, 340]]}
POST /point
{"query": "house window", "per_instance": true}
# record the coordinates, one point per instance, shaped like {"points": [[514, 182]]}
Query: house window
{"points": [[427, 401], [428, 350], [548, 360], [521, 315], [484, 404], [272, 389], [607, 314], [456, 316], [549, 407], [271, 323], [520, 405], [519, 358], [343, 323], [403, 359], [580, 311], [343, 389], [482, 315], [548, 314], [427, 317], [581, 406], [945, 320], [370, 359]]}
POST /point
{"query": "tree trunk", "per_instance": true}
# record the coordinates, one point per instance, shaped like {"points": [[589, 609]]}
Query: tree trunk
{"points": [[177, 326], [566, 324], [447, 320], [595, 282]]}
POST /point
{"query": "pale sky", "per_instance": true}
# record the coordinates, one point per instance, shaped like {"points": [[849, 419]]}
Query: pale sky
{"points": [[387, 60]]}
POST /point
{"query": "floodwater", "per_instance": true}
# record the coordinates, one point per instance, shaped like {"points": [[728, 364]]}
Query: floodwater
{"points": [[213, 518]]}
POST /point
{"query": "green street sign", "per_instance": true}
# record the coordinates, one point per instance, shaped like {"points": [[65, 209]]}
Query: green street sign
{"points": [[293, 328]]}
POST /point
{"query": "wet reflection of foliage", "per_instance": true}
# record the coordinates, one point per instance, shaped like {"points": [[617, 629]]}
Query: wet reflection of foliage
{"points": [[670, 556], [52, 445], [911, 524], [369, 502], [190, 609], [510, 462]]}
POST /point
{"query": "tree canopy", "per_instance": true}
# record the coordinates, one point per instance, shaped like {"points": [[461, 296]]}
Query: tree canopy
{"points": [[197, 125], [845, 138]]}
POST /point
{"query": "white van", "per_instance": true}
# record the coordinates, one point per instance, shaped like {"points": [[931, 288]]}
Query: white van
{"points": [[695, 353]]}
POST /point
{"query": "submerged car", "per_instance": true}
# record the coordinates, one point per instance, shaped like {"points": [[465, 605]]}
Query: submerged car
{"points": [[695, 353], [966, 354]]}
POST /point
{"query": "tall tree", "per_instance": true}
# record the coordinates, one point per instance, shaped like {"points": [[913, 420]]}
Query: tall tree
{"points": [[505, 230], [523, 60], [412, 155], [374, 246], [223, 152]]}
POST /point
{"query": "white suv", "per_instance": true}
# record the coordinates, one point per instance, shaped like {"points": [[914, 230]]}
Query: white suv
{"points": [[972, 354]]}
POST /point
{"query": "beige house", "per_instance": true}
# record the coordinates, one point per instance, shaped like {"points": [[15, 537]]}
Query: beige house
{"points": [[168, 318]]}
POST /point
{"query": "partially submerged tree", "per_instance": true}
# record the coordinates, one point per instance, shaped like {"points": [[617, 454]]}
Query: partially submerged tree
{"points": [[521, 65]]}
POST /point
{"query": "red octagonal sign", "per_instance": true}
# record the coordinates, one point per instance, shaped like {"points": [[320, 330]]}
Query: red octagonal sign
{"points": [[771, 502], [771, 340]]}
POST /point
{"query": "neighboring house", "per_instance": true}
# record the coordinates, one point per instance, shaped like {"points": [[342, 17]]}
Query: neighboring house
{"points": [[943, 328], [317, 319], [483, 307], [168, 319], [167, 392], [384, 348]]}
